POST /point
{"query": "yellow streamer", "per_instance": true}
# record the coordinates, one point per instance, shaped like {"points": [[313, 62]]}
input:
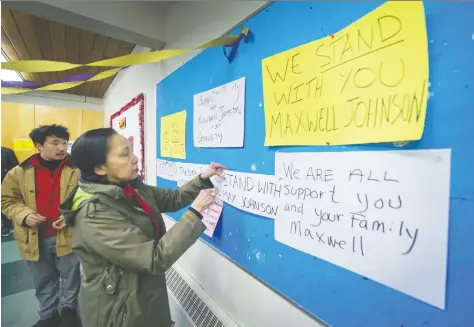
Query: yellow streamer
{"points": [[61, 86], [40, 66], [14, 90]]}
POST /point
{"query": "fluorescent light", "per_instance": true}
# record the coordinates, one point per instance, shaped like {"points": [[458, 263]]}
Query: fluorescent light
{"points": [[9, 75]]}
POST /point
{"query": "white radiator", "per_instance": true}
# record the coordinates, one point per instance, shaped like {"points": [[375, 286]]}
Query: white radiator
{"points": [[195, 303]]}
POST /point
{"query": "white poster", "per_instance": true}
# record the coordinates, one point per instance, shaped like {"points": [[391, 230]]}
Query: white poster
{"points": [[166, 169], [219, 116], [254, 193], [180, 172], [127, 124], [69, 146], [383, 215]]}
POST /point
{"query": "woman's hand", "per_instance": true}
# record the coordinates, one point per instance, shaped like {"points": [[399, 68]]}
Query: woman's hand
{"points": [[59, 224], [213, 169], [203, 200]]}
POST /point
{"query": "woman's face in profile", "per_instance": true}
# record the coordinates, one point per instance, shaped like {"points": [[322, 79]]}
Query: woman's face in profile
{"points": [[122, 164]]}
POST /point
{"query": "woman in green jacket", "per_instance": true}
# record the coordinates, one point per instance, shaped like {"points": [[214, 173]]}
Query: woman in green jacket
{"points": [[119, 234]]}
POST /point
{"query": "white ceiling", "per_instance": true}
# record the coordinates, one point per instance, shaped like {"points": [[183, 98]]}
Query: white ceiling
{"points": [[142, 17]]}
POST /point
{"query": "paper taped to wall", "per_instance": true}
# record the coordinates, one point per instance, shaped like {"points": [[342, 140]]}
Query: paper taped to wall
{"points": [[173, 135], [388, 218], [211, 216], [366, 83], [381, 214], [23, 145], [219, 116], [181, 172]]}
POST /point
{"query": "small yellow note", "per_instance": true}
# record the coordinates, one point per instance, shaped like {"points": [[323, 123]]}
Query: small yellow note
{"points": [[23, 145], [173, 135], [367, 83]]}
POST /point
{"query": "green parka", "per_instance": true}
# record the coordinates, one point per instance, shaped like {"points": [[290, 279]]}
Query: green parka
{"points": [[123, 282]]}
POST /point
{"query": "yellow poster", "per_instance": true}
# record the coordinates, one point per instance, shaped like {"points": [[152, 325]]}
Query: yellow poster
{"points": [[23, 145], [173, 135], [367, 83]]}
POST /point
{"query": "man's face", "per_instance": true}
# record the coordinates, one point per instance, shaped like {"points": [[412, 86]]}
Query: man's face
{"points": [[54, 148]]}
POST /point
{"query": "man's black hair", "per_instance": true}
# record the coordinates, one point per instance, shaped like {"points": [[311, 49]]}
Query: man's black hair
{"points": [[38, 135]]}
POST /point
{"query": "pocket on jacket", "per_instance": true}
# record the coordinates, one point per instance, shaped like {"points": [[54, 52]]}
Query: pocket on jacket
{"points": [[118, 316], [21, 234], [116, 297]]}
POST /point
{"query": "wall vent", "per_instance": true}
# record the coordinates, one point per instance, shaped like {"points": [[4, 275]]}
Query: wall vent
{"points": [[199, 313]]}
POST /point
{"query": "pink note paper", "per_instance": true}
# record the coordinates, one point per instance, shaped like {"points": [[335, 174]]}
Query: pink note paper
{"points": [[211, 216]]}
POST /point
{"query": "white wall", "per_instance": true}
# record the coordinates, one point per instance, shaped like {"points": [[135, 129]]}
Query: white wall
{"points": [[188, 24], [144, 17], [55, 99], [127, 85]]}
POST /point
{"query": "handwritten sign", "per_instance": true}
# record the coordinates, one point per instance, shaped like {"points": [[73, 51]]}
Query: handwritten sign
{"points": [[23, 145], [366, 83], [383, 215], [166, 169], [173, 135], [211, 216], [181, 172], [219, 116], [258, 194], [249, 192]]}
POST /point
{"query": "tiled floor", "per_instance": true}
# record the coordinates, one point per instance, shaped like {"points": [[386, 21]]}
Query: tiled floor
{"points": [[19, 310], [18, 296]]}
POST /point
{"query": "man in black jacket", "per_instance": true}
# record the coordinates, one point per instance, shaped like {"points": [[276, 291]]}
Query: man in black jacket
{"points": [[9, 161]]}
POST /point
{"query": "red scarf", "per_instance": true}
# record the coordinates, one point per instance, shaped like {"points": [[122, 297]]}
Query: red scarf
{"points": [[130, 193]]}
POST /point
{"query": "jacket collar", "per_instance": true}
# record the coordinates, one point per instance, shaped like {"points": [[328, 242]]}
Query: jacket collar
{"points": [[29, 162], [114, 191]]}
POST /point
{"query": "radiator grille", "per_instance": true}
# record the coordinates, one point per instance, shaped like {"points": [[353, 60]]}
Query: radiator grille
{"points": [[196, 309]]}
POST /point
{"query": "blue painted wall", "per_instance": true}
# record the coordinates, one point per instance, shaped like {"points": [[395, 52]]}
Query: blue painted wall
{"points": [[335, 295]]}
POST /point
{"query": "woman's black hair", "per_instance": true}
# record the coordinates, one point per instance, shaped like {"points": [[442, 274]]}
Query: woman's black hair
{"points": [[89, 151]]}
